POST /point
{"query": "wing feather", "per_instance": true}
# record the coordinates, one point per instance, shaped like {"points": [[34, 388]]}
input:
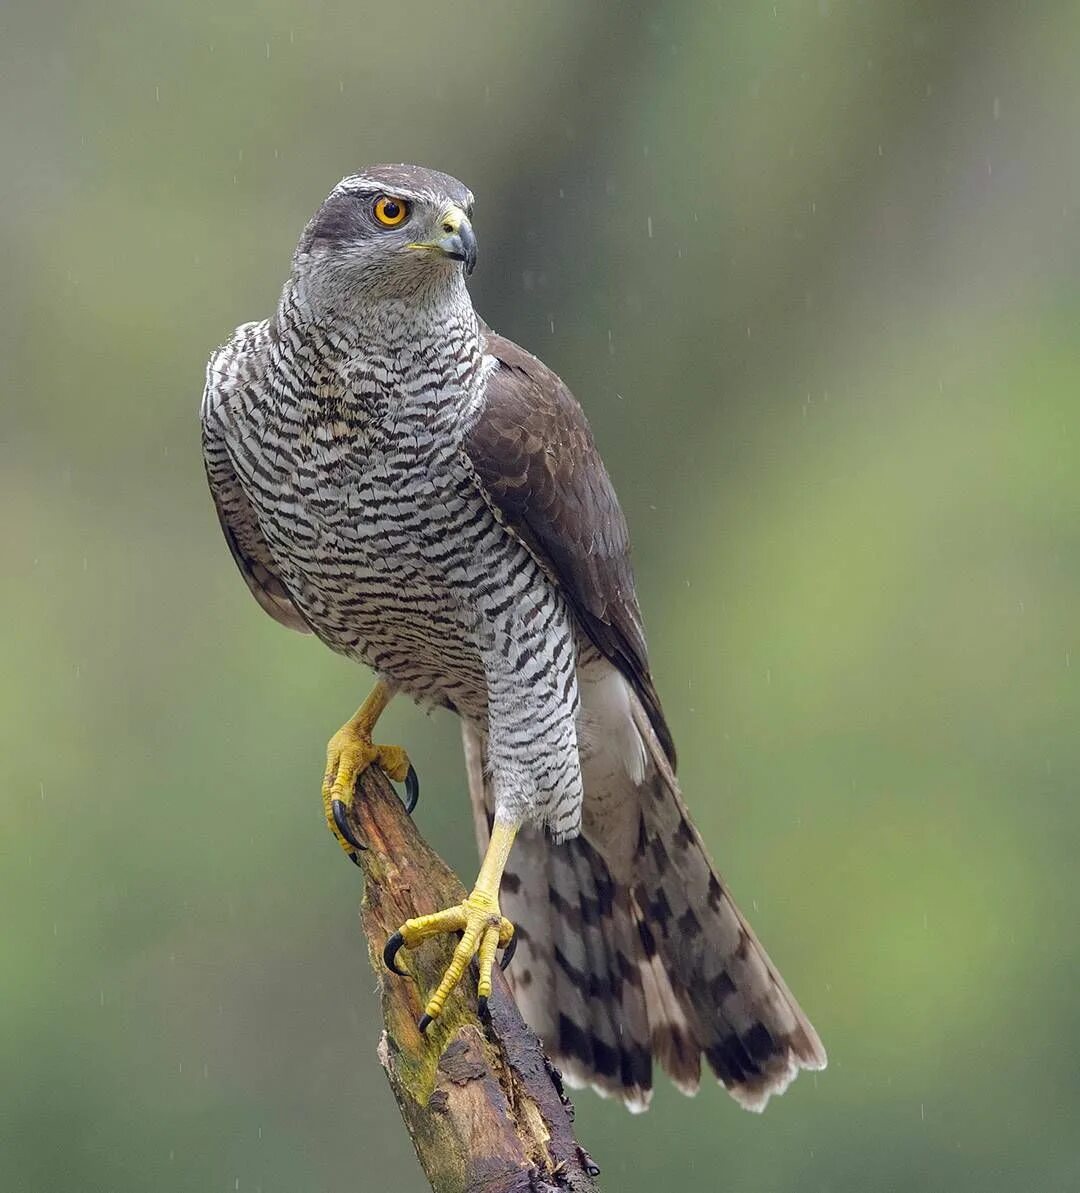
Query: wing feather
{"points": [[534, 454], [240, 525]]}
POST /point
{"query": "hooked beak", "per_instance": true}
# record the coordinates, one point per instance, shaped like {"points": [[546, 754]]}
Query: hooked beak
{"points": [[457, 241]]}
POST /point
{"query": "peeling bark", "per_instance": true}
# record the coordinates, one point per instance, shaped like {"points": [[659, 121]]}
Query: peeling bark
{"points": [[483, 1105]]}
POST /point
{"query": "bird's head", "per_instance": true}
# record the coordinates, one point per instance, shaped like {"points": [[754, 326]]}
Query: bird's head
{"points": [[390, 232]]}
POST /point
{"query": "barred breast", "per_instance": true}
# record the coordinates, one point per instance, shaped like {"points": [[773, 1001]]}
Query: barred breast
{"points": [[353, 464]]}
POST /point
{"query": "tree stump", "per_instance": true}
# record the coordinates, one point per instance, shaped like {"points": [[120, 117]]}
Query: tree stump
{"points": [[484, 1106]]}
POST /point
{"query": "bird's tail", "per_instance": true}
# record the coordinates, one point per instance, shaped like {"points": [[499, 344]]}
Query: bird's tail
{"points": [[583, 977], [739, 1012], [660, 967]]}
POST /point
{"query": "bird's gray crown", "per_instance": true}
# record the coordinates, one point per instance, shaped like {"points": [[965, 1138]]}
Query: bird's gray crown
{"points": [[411, 182]]}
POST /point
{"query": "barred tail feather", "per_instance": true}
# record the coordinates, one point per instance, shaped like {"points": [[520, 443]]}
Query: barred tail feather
{"points": [[577, 971], [659, 963], [673, 1043], [752, 1032], [576, 976]]}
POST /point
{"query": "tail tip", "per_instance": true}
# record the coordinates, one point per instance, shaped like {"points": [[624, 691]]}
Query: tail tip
{"points": [[754, 1094]]}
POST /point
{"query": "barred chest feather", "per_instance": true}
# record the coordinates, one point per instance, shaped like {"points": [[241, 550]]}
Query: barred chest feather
{"points": [[359, 477]]}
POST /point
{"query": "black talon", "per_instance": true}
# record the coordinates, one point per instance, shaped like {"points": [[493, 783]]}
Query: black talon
{"points": [[355, 859], [508, 953], [390, 952], [412, 789], [423, 1022], [482, 1007], [343, 826]]}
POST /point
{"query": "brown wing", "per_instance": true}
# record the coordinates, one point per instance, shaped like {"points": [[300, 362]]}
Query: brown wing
{"points": [[534, 453]]}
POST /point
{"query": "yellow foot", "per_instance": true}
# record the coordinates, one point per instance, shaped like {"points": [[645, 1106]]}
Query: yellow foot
{"points": [[349, 753], [484, 928]]}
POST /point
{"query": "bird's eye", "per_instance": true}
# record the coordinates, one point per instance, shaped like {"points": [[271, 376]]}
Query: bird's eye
{"points": [[390, 211]]}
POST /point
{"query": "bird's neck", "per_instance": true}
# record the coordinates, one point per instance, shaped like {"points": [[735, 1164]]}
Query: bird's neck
{"points": [[393, 342]]}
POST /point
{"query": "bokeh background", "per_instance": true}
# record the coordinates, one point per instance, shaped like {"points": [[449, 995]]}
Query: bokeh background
{"points": [[811, 267]]}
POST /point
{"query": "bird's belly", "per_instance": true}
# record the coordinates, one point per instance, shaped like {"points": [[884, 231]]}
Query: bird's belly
{"points": [[385, 572]]}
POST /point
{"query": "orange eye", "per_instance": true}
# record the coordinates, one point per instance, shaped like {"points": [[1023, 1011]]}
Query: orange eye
{"points": [[390, 211]]}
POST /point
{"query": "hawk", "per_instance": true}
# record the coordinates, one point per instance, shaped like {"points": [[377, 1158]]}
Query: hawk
{"points": [[426, 498]]}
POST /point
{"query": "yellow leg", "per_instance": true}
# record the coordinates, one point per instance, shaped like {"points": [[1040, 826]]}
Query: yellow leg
{"points": [[351, 751], [483, 926]]}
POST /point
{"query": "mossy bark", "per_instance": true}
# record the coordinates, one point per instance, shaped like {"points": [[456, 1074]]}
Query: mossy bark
{"points": [[485, 1108]]}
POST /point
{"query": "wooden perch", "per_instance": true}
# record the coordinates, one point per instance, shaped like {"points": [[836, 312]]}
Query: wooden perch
{"points": [[484, 1106]]}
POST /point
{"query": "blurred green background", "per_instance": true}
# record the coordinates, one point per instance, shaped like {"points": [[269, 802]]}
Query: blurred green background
{"points": [[812, 268]]}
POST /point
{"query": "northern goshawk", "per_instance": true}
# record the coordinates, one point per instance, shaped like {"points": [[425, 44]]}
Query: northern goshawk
{"points": [[426, 498]]}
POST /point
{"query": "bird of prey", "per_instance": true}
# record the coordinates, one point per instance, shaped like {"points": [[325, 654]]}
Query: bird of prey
{"points": [[426, 498]]}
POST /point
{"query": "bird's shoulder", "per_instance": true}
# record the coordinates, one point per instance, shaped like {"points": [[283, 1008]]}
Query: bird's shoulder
{"points": [[235, 367], [532, 442]]}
